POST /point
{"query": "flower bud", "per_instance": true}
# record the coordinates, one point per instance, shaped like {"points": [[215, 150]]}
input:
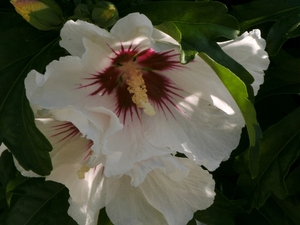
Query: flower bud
{"points": [[42, 14], [105, 14]]}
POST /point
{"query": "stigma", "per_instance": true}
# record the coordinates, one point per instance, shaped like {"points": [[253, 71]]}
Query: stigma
{"points": [[137, 87]]}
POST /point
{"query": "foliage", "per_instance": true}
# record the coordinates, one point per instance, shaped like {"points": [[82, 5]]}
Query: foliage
{"points": [[259, 184]]}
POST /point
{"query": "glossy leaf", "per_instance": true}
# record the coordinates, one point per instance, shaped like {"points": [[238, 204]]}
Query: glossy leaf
{"points": [[193, 41], [238, 91], [209, 18], [171, 29], [279, 149], [24, 48], [20, 134], [40, 203]]}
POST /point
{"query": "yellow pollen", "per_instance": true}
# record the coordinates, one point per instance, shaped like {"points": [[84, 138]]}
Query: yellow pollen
{"points": [[136, 86], [82, 171]]}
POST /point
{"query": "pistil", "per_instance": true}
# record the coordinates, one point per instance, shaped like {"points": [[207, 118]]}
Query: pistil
{"points": [[136, 86]]}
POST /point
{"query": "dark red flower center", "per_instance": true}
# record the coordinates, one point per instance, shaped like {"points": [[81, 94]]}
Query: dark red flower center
{"points": [[137, 81]]}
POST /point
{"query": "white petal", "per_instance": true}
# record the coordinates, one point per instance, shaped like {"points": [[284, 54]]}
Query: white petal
{"points": [[132, 27], [63, 75], [2, 148], [179, 200], [72, 35], [68, 157], [162, 41], [168, 164], [69, 154], [95, 124], [127, 147], [86, 212], [211, 134], [207, 124], [126, 205], [18, 166], [248, 50], [66, 163]]}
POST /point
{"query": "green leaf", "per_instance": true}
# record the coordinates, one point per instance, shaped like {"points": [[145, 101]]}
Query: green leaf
{"points": [[21, 136], [291, 208], [209, 18], [279, 149], [226, 68], [274, 213], [18, 38], [255, 217], [282, 77], [23, 48], [221, 212], [194, 41], [3, 206], [171, 29], [103, 218], [293, 182], [282, 30], [7, 168], [42, 202], [192, 222], [238, 91], [256, 12]]}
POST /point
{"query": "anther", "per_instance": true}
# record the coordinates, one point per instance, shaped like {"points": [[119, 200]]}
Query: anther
{"points": [[136, 86], [82, 171]]}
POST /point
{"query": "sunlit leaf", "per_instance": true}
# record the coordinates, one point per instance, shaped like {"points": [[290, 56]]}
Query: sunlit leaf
{"points": [[192, 41], [238, 91], [171, 29], [279, 149]]}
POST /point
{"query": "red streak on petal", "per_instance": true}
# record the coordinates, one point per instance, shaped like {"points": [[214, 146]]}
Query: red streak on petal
{"points": [[124, 102], [88, 148], [160, 89], [106, 81], [158, 60], [124, 55], [66, 130]]}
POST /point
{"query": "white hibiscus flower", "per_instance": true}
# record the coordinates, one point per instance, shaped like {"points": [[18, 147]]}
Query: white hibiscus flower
{"points": [[134, 72], [172, 191]]}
